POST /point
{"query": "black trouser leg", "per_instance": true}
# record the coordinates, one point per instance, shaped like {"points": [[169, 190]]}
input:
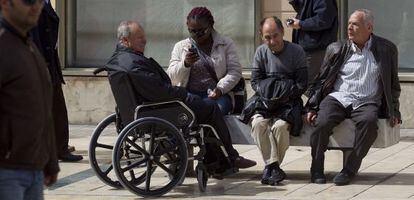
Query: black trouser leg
{"points": [[209, 113], [331, 114], [366, 130], [314, 60], [60, 116]]}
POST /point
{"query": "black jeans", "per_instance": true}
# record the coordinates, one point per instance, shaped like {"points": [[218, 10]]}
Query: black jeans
{"points": [[208, 112], [332, 113], [60, 117]]}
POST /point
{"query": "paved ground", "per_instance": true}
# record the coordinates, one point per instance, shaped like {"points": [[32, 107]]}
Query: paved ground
{"points": [[385, 174]]}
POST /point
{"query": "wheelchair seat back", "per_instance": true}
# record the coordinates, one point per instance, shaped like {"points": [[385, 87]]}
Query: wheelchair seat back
{"points": [[131, 104]]}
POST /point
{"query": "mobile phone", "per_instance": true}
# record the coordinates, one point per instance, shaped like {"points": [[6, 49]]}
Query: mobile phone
{"points": [[193, 49], [289, 21]]}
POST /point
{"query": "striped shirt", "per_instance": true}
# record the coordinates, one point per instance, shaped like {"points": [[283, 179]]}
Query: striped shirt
{"points": [[358, 80]]}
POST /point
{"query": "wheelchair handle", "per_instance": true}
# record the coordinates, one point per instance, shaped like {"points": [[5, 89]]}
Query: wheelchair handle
{"points": [[98, 70]]}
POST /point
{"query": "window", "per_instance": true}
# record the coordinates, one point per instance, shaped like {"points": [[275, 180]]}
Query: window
{"points": [[393, 20], [92, 24]]}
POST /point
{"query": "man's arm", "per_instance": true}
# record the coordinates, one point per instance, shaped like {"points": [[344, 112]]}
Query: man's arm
{"points": [[395, 88], [301, 76], [297, 5], [326, 12], [153, 88], [258, 72]]}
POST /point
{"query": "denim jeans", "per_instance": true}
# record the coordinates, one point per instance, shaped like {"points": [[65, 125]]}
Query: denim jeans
{"points": [[223, 102], [21, 184]]}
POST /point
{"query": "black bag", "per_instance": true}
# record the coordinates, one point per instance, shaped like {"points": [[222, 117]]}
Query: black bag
{"points": [[240, 97]]}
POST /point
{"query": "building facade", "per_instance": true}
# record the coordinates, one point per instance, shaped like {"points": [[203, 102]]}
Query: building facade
{"points": [[88, 38]]}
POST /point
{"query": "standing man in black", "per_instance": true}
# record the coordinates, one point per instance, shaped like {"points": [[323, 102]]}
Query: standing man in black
{"points": [[315, 27], [45, 36]]}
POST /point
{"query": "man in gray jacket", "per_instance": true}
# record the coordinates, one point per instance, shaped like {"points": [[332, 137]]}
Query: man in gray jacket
{"points": [[279, 72], [28, 157], [358, 80]]}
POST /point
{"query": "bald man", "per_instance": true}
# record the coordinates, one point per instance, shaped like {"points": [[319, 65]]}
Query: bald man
{"points": [[279, 72]]}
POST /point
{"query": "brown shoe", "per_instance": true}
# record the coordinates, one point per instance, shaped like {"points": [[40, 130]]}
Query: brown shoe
{"points": [[243, 163], [71, 149]]}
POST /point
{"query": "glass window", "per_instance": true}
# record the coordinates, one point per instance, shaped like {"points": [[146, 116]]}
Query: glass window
{"points": [[92, 24], [393, 20]]}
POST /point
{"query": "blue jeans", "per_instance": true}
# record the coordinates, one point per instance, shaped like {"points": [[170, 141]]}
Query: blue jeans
{"points": [[21, 184], [223, 102]]}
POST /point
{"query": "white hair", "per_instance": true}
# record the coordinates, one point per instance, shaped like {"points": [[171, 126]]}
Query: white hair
{"points": [[368, 15], [124, 30]]}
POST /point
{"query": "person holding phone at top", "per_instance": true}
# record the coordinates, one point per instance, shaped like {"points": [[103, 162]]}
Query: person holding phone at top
{"points": [[206, 63]]}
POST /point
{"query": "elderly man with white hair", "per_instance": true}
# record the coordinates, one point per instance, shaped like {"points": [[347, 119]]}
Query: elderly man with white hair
{"points": [[358, 80]]}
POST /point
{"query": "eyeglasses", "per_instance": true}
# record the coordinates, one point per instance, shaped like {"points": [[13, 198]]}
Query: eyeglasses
{"points": [[198, 33], [32, 2]]}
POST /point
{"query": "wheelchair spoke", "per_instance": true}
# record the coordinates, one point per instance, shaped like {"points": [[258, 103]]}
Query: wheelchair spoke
{"points": [[133, 165], [105, 146], [151, 144], [163, 167], [108, 170], [166, 151], [148, 176], [146, 154]]}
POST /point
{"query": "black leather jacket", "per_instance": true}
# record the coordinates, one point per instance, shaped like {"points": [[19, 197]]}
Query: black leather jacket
{"points": [[386, 55]]}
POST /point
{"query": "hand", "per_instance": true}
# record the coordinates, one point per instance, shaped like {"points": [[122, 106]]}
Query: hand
{"points": [[50, 179], [215, 94], [190, 59], [394, 121], [295, 24], [311, 117]]}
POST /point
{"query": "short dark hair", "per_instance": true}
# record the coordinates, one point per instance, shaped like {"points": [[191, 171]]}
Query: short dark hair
{"points": [[201, 13], [278, 22]]}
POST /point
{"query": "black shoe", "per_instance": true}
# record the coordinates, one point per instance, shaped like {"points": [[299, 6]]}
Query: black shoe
{"points": [[69, 157], [243, 163], [318, 178], [343, 178], [71, 149], [277, 175], [267, 172]]}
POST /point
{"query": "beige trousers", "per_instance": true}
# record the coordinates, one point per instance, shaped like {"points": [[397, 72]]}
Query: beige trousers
{"points": [[271, 137]]}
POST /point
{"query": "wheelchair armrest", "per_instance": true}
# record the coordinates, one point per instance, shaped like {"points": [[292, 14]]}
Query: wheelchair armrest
{"points": [[150, 107]]}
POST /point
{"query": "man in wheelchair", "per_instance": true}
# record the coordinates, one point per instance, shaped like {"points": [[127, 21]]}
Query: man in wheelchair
{"points": [[150, 83]]}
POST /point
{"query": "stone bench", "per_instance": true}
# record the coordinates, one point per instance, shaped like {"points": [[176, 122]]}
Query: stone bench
{"points": [[342, 139]]}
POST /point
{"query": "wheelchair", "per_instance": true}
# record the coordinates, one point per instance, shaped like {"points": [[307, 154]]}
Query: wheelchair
{"points": [[154, 143]]}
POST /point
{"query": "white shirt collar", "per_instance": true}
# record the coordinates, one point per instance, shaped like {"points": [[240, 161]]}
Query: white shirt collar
{"points": [[367, 45]]}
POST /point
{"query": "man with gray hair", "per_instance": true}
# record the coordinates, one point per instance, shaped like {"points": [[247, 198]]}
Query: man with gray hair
{"points": [[358, 80], [150, 83]]}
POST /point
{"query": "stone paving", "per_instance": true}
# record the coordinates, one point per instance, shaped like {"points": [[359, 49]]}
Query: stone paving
{"points": [[385, 174]]}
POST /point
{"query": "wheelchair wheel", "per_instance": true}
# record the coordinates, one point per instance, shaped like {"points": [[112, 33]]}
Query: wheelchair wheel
{"points": [[147, 148], [202, 177], [100, 150]]}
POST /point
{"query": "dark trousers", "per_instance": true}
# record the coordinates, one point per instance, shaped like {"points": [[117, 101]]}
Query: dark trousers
{"points": [[60, 116], [332, 113], [208, 112], [314, 60]]}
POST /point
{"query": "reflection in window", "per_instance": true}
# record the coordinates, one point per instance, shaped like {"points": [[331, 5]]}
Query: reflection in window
{"points": [[92, 26], [393, 20]]}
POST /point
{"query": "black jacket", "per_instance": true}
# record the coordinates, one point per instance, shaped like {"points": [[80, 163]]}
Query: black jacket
{"points": [[45, 36], [319, 23], [143, 79], [386, 56], [26, 123]]}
